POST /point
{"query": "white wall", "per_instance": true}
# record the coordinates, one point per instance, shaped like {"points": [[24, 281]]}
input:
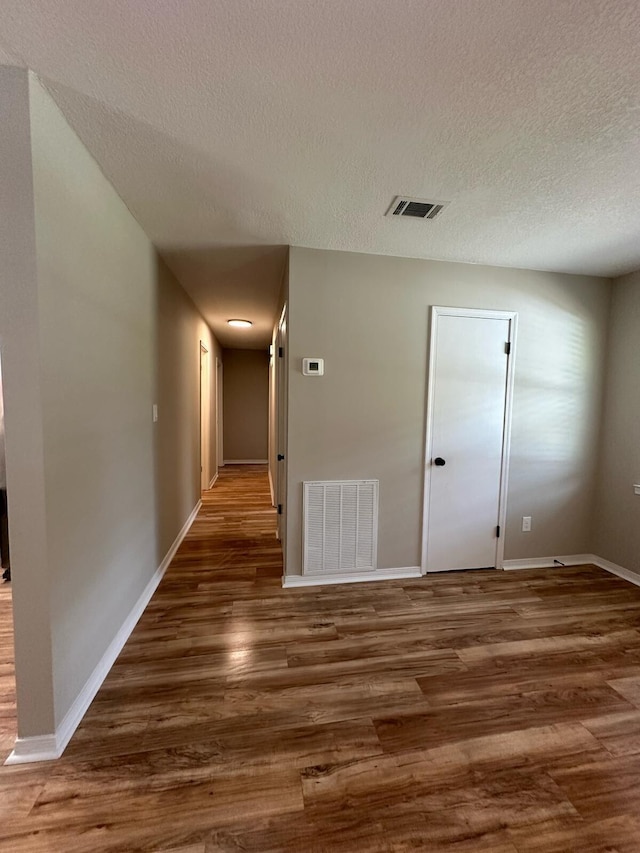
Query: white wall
{"points": [[617, 518], [368, 317]]}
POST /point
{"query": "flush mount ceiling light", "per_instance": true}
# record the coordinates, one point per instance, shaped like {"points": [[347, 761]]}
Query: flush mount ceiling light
{"points": [[240, 324]]}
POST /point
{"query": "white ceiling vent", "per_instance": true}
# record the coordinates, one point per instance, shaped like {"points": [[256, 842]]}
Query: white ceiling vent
{"points": [[416, 208]]}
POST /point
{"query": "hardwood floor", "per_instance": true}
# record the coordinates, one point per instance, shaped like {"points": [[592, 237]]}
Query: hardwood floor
{"points": [[7, 675], [468, 712]]}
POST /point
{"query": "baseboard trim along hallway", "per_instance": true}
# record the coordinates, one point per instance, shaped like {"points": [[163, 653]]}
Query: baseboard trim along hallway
{"points": [[573, 560], [324, 580], [291, 581], [50, 747], [548, 562]]}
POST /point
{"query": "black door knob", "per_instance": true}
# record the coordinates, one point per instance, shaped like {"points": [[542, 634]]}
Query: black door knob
{"points": [[280, 457], [439, 461]]}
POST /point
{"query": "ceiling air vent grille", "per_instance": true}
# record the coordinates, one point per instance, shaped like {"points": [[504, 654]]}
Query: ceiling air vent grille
{"points": [[416, 208]]}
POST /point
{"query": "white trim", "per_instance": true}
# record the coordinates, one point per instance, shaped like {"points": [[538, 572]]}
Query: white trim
{"points": [[574, 560], [205, 415], [549, 562], [271, 489], [219, 414], [30, 749], [436, 312], [246, 461], [289, 581], [281, 470], [615, 569], [213, 480], [50, 747]]}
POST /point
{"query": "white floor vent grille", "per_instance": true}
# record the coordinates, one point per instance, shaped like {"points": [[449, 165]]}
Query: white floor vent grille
{"points": [[340, 526]]}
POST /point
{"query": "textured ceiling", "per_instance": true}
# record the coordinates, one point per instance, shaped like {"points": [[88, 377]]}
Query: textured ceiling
{"points": [[246, 123]]}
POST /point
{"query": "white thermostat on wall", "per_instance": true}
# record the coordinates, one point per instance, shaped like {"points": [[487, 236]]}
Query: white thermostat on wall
{"points": [[313, 366]]}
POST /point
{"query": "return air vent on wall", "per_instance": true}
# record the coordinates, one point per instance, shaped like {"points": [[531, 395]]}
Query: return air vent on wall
{"points": [[340, 526], [416, 208]]}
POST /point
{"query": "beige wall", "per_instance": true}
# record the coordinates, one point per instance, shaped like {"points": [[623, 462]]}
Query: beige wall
{"points": [[368, 317], [22, 377], [617, 519], [179, 330], [246, 404], [96, 297], [94, 329]]}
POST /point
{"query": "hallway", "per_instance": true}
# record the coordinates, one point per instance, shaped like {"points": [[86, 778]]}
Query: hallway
{"points": [[478, 711]]}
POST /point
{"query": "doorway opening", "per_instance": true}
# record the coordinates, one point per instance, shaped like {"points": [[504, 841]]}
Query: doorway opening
{"points": [[470, 391], [245, 405]]}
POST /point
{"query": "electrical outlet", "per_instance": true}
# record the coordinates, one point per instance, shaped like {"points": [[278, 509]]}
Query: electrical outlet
{"points": [[636, 488], [526, 523]]}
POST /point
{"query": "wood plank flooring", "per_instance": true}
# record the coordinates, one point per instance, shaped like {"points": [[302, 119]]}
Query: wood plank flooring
{"points": [[468, 712]]}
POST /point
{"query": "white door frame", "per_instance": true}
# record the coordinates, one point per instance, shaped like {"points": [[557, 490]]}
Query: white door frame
{"points": [[219, 414], [282, 385], [436, 313], [205, 418]]}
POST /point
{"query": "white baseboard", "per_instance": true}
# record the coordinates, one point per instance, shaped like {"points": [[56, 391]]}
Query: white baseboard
{"points": [[38, 748], [50, 747], [213, 480], [246, 461], [615, 569], [574, 560], [289, 581], [324, 580], [271, 489], [548, 562]]}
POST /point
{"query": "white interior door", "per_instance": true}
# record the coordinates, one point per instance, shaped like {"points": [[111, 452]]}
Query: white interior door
{"points": [[467, 438]]}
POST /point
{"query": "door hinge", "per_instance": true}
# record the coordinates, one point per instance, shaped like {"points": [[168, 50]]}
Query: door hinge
{"points": [[507, 347], [280, 352], [498, 531], [279, 509]]}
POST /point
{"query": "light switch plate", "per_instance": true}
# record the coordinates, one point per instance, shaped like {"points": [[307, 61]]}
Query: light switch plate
{"points": [[636, 488]]}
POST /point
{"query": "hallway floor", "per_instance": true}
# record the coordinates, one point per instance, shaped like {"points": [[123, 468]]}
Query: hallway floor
{"points": [[468, 712], [8, 723]]}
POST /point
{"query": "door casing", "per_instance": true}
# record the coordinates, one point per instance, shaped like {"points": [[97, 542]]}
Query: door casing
{"points": [[282, 386], [219, 415], [437, 312], [205, 418]]}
